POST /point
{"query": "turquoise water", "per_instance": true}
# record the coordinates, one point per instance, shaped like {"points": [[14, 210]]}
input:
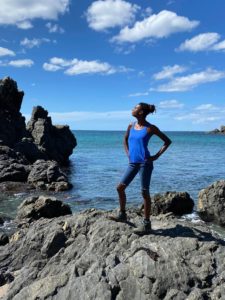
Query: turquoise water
{"points": [[192, 162]]}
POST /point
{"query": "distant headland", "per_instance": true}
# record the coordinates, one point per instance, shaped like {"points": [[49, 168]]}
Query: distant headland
{"points": [[218, 131]]}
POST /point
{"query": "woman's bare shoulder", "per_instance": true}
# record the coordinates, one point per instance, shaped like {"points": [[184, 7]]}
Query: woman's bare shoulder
{"points": [[151, 128]]}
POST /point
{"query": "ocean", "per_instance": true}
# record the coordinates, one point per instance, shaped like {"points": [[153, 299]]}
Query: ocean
{"points": [[193, 161]]}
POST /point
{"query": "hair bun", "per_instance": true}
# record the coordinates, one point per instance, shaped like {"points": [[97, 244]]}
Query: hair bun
{"points": [[151, 108]]}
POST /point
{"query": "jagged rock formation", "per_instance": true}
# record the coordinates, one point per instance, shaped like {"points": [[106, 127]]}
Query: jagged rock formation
{"points": [[88, 256], [211, 203], [12, 123], [38, 143], [56, 142]]}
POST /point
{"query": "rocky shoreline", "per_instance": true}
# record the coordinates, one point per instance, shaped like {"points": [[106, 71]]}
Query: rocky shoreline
{"points": [[55, 254], [33, 153]]}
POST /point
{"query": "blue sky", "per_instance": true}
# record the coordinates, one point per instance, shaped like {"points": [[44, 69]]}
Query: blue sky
{"points": [[89, 62]]}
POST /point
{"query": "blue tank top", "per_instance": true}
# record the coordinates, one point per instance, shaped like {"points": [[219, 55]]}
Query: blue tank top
{"points": [[138, 145]]}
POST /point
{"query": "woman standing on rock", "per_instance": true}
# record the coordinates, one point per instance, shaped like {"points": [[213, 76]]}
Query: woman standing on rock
{"points": [[136, 146]]}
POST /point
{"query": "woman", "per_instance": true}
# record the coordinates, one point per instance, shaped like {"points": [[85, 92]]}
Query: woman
{"points": [[135, 143]]}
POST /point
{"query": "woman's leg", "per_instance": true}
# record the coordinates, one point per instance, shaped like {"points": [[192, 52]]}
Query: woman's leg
{"points": [[129, 175], [147, 204], [122, 196], [145, 176]]}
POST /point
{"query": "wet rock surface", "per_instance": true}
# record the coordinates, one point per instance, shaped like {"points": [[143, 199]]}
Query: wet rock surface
{"points": [[211, 203], [22, 146], [89, 256]]}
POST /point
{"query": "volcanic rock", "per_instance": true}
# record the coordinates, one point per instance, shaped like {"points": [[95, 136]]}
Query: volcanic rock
{"points": [[56, 142], [178, 203], [12, 123], [88, 256], [211, 203]]}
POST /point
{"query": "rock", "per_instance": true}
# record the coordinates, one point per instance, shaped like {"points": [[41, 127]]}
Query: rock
{"points": [[13, 166], [47, 175], [30, 150], [34, 208], [88, 256], [217, 131], [4, 239], [211, 203], [12, 123], [56, 142], [179, 203], [21, 146]]}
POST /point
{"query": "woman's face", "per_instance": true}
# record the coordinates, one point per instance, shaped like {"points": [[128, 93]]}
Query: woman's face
{"points": [[136, 110]]}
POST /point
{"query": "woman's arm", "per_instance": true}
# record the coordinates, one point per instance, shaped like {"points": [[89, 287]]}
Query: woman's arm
{"points": [[155, 130], [125, 141]]}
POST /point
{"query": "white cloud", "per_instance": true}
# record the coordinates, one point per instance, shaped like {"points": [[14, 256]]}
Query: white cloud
{"points": [[51, 67], [6, 52], [24, 25], [66, 117], [54, 28], [33, 43], [20, 63], [77, 67], [201, 42], [158, 25], [219, 46], [21, 13], [198, 118], [204, 113], [206, 107], [170, 104], [169, 71], [139, 94], [125, 50], [189, 82], [106, 14]]}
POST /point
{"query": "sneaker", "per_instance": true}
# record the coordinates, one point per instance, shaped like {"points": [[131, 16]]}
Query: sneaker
{"points": [[121, 217], [144, 228]]}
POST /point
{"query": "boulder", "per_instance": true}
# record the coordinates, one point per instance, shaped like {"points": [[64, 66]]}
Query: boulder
{"points": [[56, 142], [13, 165], [211, 203], [34, 208], [48, 176], [178, 203], [88, 256], [4, 239]]}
